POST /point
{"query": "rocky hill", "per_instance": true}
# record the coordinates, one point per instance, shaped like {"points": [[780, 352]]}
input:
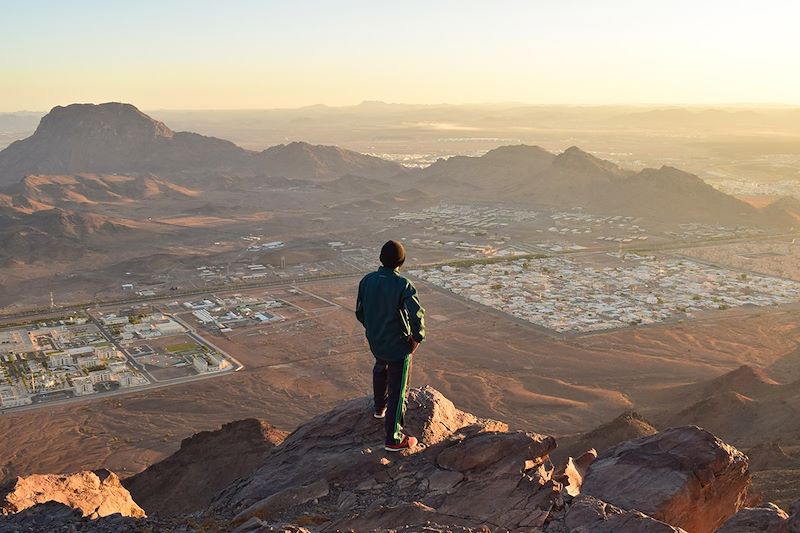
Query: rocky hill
{"points": [[57, 234], [118, 138], [468, 474], [205, 464], [575, 178], [745, 406], [36, 192], [502, 166]]}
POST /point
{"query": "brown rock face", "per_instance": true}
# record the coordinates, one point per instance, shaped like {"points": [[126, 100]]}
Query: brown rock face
{"points": [[770, 519], [338, 446], [572, 472], [206, 463], [587, 514], [466, 472], [684, 476], [467, 475], [95, 494], [284, 500], [493, 448]]}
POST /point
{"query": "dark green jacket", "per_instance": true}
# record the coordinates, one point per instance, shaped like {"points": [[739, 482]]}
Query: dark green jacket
{"points": [[389, 308]]}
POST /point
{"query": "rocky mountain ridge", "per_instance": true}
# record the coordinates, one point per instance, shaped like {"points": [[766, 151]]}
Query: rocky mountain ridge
{"points": [[118, 138], [115, 138], [468, 474], [575, 178]]}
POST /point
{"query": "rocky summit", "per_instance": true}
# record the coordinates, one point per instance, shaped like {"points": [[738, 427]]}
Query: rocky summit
{"points": [[467, 474], [94, 494]]}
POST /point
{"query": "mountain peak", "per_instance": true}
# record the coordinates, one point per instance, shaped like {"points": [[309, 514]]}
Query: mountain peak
{"points": [[117, 138], [114, 119], [575, 160], [517, 150]]}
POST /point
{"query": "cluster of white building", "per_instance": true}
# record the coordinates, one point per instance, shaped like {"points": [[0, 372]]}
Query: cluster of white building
{"points": [[568, 295], [705, 231], [226, 313], [615, 228], [274, 245], [54, 359], [464, 217], [147, 326]]}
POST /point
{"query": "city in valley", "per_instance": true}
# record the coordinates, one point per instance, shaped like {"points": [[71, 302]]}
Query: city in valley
{"points": [[187, 282], [562, 272], [400, 267]]}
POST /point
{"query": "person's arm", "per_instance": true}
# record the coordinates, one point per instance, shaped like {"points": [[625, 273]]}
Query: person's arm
{"points": [[416, 314], [359, 305]]}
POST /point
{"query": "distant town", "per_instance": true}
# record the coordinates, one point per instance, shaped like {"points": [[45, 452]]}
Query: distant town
{"points": [[569, 272], [607, 291], [100, 352]]}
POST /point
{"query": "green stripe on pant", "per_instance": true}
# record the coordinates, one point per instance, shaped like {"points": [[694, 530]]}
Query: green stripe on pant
{"points": [[401, 403]]}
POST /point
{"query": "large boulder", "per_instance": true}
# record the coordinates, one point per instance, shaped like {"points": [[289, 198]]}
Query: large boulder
{"points": [[683, 476], [94, 493], [206, 463]]}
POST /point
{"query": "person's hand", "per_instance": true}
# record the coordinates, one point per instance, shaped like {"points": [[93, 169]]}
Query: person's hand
{"points": [[414, 344]]}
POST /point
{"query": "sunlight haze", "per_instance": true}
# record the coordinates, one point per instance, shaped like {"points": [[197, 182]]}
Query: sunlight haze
{"points": [[213, 55]]}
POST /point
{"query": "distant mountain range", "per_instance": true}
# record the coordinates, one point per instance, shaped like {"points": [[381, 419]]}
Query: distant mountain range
{"points": [[113, 154], [118, 138], [576, 178]]}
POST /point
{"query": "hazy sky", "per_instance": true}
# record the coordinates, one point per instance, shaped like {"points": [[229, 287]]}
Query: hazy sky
{"points": [[261, 54]]}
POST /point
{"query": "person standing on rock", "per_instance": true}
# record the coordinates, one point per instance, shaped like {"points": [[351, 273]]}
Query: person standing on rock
{"points": [[393, 319]]}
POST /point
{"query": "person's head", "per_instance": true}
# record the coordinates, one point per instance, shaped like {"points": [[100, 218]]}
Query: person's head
{"points": [[393, 255]]}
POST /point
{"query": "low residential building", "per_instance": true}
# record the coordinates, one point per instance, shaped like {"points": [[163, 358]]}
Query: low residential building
{"points": [[114, 320], [97, 376], [169, 327], [216, 362], [11, 396], [126, 379], [200, 364], [83, 350], [58, 359], [82, 385], [88, 361], [105, 351], [203, 316]]}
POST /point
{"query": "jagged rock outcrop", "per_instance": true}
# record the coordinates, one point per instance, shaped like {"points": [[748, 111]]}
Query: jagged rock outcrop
{"points": [[571, 474], [206, 463], [470, 474], [767, 519], [466, 471], [587, 514], [94, 493], [683, 476], [467, 475]]}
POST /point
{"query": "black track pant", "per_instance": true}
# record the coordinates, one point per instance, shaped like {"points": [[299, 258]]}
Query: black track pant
{"points": [[390, 384]]}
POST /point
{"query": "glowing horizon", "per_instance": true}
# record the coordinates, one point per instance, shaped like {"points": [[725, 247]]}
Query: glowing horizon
{"points": [[261, 55]]}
